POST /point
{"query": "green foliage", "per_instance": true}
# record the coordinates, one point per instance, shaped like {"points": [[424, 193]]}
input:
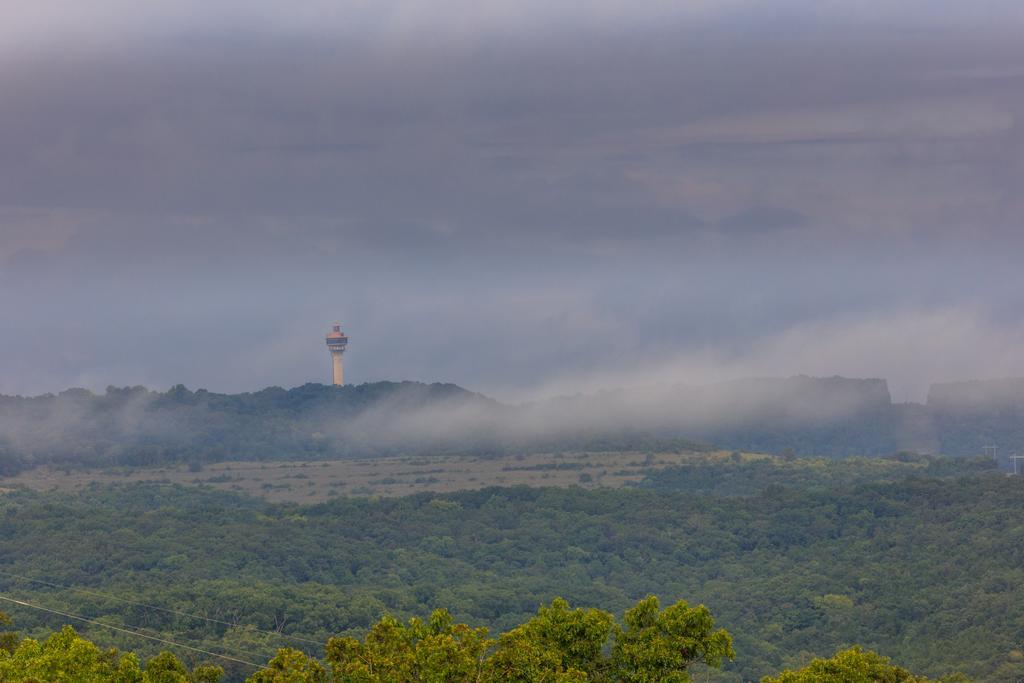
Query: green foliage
{"points": [[165, 668], [853, 666], [521, 659], [557, 645], [659, 646], [565, 644], [291, 666], [923, 570], [8, 639], [66, 657], [434, 651]]}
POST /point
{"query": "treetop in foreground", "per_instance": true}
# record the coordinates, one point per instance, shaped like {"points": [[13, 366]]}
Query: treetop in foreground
{"points": [[66, 657], [558, 645], [855, 666]]}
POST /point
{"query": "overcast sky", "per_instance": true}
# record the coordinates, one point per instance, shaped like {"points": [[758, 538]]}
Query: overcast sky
{"points": [[521, 199]]}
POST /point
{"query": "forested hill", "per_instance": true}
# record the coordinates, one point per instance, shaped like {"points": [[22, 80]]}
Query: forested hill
{"points": [[925, 569], [136, 426], [821, 416]]}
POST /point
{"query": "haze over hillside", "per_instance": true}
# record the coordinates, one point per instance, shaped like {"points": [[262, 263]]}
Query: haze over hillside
{"points": [[812, 416]]}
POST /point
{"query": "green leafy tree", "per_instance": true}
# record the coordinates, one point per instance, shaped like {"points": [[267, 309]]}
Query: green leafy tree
{"points": [[166, 668], [207, 674], [291, 666], [65, 657], [659, 646], [853, 666], [557, 644], [8, 639], [437, 650], [520, 659]]}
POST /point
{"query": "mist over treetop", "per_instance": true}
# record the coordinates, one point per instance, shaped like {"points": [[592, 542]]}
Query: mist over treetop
{"points": [[814, 416]]}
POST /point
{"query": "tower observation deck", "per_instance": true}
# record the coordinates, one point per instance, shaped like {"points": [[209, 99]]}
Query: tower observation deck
{"points": [[336, 343]]}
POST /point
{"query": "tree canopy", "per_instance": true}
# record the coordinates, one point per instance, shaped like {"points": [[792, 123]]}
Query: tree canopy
{"points": [[66, 657], [558, 645], [855, 665], [923, 570]]}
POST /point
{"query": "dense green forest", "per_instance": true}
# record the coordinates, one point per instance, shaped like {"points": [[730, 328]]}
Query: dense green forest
{"points": [[832, 417], [557, 645], [925, 568]]}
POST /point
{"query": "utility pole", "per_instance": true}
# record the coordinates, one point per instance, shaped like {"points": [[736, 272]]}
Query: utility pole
{"points": [[1015, 459], [990, 450]]}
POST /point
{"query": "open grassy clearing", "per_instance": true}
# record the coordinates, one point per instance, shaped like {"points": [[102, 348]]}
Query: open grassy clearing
{"points": [[314, 481]]}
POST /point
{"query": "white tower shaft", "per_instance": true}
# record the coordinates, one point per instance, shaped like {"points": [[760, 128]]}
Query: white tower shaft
{"points": [[338, 367]]}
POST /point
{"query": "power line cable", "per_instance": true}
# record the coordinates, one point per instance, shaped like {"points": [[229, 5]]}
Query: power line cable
{"points": [[86, 591], [131, 632], [182, 634], [140, 631]]}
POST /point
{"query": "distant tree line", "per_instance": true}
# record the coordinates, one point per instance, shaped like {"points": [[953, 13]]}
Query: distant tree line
{"points": [[830, 417], [136, 427]]}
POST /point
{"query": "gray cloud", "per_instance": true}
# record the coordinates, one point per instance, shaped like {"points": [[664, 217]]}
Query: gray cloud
{"points": [[509, 196]]}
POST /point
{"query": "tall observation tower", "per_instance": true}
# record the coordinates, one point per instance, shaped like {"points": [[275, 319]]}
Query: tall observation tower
{"points": [[336, 343]]}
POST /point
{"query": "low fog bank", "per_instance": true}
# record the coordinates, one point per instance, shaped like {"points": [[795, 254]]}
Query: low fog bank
{"points": [[821, 416], [978, 396], [138, 427]]}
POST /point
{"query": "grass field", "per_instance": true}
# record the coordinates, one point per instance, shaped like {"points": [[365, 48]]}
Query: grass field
{"points": [[313, 481]]}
